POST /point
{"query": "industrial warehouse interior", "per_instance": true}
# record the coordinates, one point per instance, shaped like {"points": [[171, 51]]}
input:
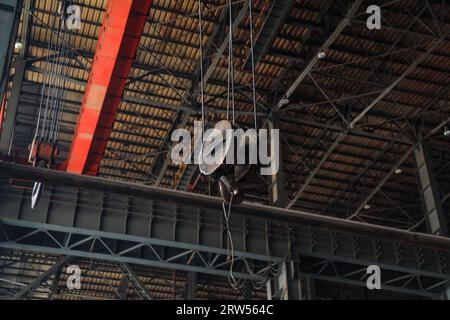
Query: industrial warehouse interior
{"points": [[119, 179]]}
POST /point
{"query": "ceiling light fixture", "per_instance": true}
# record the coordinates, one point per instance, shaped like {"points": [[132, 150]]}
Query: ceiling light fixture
{"points": [[446, 132], [398, 171], [367, 207], [18, 45], [284, 101], [321, 55]]}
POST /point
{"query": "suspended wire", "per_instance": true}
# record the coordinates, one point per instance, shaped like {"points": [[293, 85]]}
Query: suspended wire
{"points": [[200, 29], [253, 66], [231, 60], [234, 283], [270, 270], [57, 87], [53, 99], [62, 98], [40, 127], [65, 52], [228, 84], [49, 88]]}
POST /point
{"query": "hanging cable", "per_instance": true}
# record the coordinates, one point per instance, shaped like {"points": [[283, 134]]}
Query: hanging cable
{"points": [[231, 60], [253, 65], [201, 64], [234, 283], [66, 53]]}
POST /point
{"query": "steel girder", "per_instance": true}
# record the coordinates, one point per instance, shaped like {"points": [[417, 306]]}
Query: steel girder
{"points": [[347, 272], [273, 22], [123, 249], [108, 220], [116, 49]]}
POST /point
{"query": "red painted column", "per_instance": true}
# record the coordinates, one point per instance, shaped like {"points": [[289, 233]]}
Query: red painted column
{"points": [[116, 50]]}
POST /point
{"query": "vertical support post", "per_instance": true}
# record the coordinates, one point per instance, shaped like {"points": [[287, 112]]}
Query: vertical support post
{"points": [[12, 105], [286, 286], [190, 290], [431, 201], [308, 288], [447, 294], [276, 187]]}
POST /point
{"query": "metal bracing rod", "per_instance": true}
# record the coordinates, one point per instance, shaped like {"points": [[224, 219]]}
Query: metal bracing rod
{"points": [[438, 128], [382, 182], [397, 81], [8, 170], [391, 48], [219, 53], [42, 278], [405, 156], [316, 169], [338, 129], [355, 275], [446, 197], [360, 283], [139, 286], [376, 159], [307, 69], [436, 271], [178, 254]]}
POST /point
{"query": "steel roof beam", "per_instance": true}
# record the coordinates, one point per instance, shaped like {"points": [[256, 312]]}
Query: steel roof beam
{"points": [[314, 59], [405, 156], [116, 49], [397, 81], [274, 21], [380, 97], [318, 167]]}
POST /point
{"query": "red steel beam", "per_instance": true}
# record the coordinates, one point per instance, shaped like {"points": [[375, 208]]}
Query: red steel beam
{"points": [[121, 31]]}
